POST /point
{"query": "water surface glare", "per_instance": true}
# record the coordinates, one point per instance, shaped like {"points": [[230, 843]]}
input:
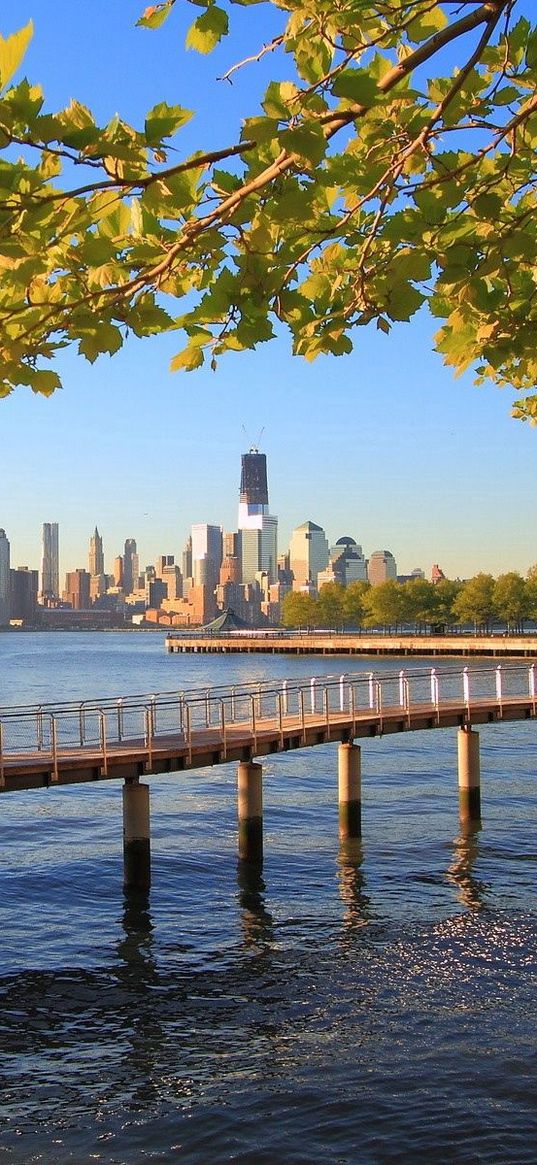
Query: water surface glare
{"points": [[367, 1002]]}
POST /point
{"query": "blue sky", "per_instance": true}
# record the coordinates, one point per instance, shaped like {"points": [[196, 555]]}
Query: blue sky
{"points": [[383, 445]]}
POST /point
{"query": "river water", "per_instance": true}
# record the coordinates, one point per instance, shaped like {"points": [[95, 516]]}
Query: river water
{"points": [[368, 1003]]}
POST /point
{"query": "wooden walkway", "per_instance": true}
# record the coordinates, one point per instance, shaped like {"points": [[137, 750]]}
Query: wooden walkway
{"points": [[130, 737]]}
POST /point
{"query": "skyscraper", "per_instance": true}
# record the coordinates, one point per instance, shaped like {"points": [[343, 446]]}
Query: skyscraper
{"points": [[131, 566], [258, 530], [381, 567], [5, 582], [206, 554], [50, 563], [96, 555], [308, 554]]}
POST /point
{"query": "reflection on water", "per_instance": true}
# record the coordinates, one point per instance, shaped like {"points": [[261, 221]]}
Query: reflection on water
{"points": [[472, 890], [256, 921]]}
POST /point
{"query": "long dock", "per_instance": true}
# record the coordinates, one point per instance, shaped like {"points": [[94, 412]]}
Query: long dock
{"points": [[277, 642], [135, 736]]}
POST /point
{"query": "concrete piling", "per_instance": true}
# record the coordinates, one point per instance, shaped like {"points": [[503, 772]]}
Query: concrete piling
{"points": [[136, 836], [349, 791], [250, 811], [469, 774]]}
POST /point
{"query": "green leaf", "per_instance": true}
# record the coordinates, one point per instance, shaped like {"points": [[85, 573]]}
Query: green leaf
{"points": [[12, 51], [279, 101], [425, 25], [103, 337], [356, 85], [163, 120], [207, 30], [155, 15], [307, 141], [403, 301], [44, 381], [189, 359], [531, 50]]}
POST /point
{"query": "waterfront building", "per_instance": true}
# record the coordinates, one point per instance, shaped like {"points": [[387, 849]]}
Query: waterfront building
{"points": [[5, 581], [381, 567], [96, 554], [24, 585], [131, 566], [77, 589], [257, 528], [50, 564], [308, 554]]}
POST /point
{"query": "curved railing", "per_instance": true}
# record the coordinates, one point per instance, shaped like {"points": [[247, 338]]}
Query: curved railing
{"points": [[102, 724]]}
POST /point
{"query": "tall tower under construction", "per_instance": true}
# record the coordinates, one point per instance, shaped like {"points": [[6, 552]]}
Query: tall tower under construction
{"points": [[258, 530]]}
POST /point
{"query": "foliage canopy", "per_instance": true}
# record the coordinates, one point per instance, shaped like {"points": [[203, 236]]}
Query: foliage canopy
{"points": [[395, 167]]}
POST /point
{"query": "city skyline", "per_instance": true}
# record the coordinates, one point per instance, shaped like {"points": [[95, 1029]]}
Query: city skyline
{"points": [[383, 445]]}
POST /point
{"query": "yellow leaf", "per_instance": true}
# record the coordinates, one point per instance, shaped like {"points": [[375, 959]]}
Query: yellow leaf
{"points": [[12, 50]]}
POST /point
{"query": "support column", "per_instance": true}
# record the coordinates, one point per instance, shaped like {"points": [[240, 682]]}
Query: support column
{"points": [[349, 791], [469, 775], [250, 806], [136, 835]]}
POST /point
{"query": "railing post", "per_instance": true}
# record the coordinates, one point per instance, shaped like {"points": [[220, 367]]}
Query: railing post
{"points": [[2, 773], [39, 727], [54, 742], [326, 699], [102, 727], [82, 724], [371, 690], [207, 710], [499, 693], [312, 690], [302, 714], [188, 721], [285, 698], [466, 688], [531, 680], [149, 738], [120, 720], [402, 678], [254, 726], [342, 693], [353, 708], [280, 719], [223, 727], [378, 702], [153, 708], [435, 693]]}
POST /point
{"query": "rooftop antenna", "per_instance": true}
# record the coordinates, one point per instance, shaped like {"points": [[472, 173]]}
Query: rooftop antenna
{"points": [[254, 448]]}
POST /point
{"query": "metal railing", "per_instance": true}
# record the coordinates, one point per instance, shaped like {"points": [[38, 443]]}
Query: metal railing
{"points": [[146, 721]]}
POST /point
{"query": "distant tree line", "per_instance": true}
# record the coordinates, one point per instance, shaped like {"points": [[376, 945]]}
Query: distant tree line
{"points": [[481, 601]]}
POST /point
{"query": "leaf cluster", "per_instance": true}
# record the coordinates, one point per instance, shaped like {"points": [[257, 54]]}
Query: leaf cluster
{"points": [[378, 178]]}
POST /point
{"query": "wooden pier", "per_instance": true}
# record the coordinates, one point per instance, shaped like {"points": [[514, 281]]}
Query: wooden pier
{"points": [[277, 642], [131, 737]]}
